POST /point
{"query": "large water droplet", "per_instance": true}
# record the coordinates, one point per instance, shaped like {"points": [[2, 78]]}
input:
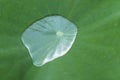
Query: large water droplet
{"points": [[49, 38]]}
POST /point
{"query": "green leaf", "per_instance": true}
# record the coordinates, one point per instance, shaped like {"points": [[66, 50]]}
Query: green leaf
{"points": [[94, 56]]}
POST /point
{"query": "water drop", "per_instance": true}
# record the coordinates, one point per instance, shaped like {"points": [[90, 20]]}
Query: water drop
{"points": [[49, 38]]}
